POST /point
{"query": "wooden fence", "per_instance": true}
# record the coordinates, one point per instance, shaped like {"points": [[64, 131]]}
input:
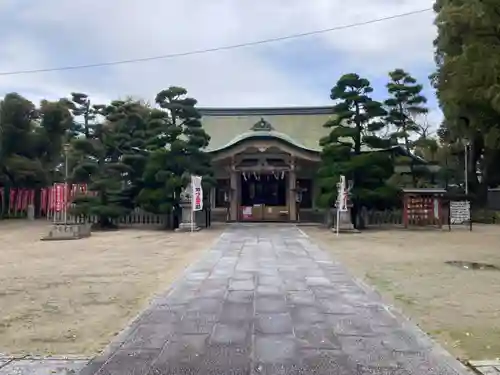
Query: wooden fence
{"points": [[137, 217], [373, 218]]}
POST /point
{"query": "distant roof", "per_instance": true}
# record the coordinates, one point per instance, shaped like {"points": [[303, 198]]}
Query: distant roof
{"points": [[265, 111]]}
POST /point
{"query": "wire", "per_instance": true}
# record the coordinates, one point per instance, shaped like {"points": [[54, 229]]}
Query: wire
{"points": [[215, 49]]}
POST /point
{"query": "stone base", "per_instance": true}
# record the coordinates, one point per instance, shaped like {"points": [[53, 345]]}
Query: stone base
{"points": [[187, 227], [346, 230], [346, 225], [64, 232]]}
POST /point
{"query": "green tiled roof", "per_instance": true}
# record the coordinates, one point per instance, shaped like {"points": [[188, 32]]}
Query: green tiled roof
{"points": [[302, 127], [263, 134], [298, 126]]}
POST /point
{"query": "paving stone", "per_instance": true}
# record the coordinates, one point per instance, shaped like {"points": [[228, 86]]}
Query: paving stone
{"points": [[243, 276], [327, 362], [325, 292], [149, 336], [205, 305], [165, 315], [231, 333], [244, 285], [269, 290], [305, 298], [266, 300], [335, 306], [274, 323], [192, 326], [270, 280], [240, 296], [307, 314], [275, 349], [213, 292], [295, 286], [350, 326], [316, 336], [401, 340], [236, 312], [369, 351], [186, 350], [271, 305], [129, 362]]}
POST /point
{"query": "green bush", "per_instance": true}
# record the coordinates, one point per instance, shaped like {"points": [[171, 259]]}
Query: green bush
{"points": [[485, 216]]}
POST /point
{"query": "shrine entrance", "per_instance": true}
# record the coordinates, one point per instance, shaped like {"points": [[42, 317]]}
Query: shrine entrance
{"points": [[264, 197], [258, 173]]}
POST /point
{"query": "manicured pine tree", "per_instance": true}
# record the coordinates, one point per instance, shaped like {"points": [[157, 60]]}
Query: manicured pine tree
{"points": [[128, 122], [405, 104], [99, 164], [176, 151], [356, 120]]}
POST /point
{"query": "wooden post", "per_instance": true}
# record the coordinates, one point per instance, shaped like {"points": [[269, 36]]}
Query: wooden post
{"points": [[292, 181], [233, 196], [405, 210]]}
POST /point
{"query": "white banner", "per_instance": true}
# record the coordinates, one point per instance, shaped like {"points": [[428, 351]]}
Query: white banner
{"points": [[197, 193], [342, 195]]}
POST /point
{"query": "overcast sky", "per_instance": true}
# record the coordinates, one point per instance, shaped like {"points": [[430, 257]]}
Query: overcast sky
{"points": [[51, 33]]}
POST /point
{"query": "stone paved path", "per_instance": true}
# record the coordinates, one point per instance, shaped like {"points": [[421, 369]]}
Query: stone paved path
{"points": [[266, 300]]}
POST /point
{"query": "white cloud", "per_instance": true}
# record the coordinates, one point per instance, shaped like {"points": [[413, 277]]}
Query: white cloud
{"points": [[123, 29]]}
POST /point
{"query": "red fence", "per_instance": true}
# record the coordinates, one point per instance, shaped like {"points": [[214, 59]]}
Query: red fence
{"points": [[51, 199]]}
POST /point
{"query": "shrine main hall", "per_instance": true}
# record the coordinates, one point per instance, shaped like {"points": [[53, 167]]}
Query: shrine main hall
{"points": [[265, 161]]}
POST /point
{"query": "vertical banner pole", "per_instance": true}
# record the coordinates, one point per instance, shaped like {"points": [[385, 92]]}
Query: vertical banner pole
{"points": [[192, 221], [338, 220]]}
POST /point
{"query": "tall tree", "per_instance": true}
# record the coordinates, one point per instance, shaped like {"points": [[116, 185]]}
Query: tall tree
{"points": [[346, 150], [468, 84], [176, 148], [99, 164], [85, 114], [128, 123], [19, 166], [404, 104], [50, 135]]}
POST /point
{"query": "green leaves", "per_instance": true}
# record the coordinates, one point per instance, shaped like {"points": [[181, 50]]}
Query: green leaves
{"points": [[30, 140], [467, 49], [354, 132], [404, 107], [176, 150]]}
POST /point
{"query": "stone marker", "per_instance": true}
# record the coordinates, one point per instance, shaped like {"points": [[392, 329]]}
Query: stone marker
{"points": [[72, 231]]}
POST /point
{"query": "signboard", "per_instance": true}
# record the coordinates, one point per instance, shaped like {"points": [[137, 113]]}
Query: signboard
{"points": [[459, 212], [197, 200], [247, 212]]}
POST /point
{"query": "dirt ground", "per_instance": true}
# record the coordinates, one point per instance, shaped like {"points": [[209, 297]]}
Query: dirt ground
{"points": [[460, 308], [72, 297]]}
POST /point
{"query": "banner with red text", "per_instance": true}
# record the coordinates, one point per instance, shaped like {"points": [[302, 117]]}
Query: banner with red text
{"points": [[197, 194]]}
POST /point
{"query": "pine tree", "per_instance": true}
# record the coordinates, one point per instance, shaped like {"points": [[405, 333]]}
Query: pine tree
{"points": [[346, 150], [128, 122], [404, 105], [50, 134], [176, 151], [82, 108], [99, 165]]}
